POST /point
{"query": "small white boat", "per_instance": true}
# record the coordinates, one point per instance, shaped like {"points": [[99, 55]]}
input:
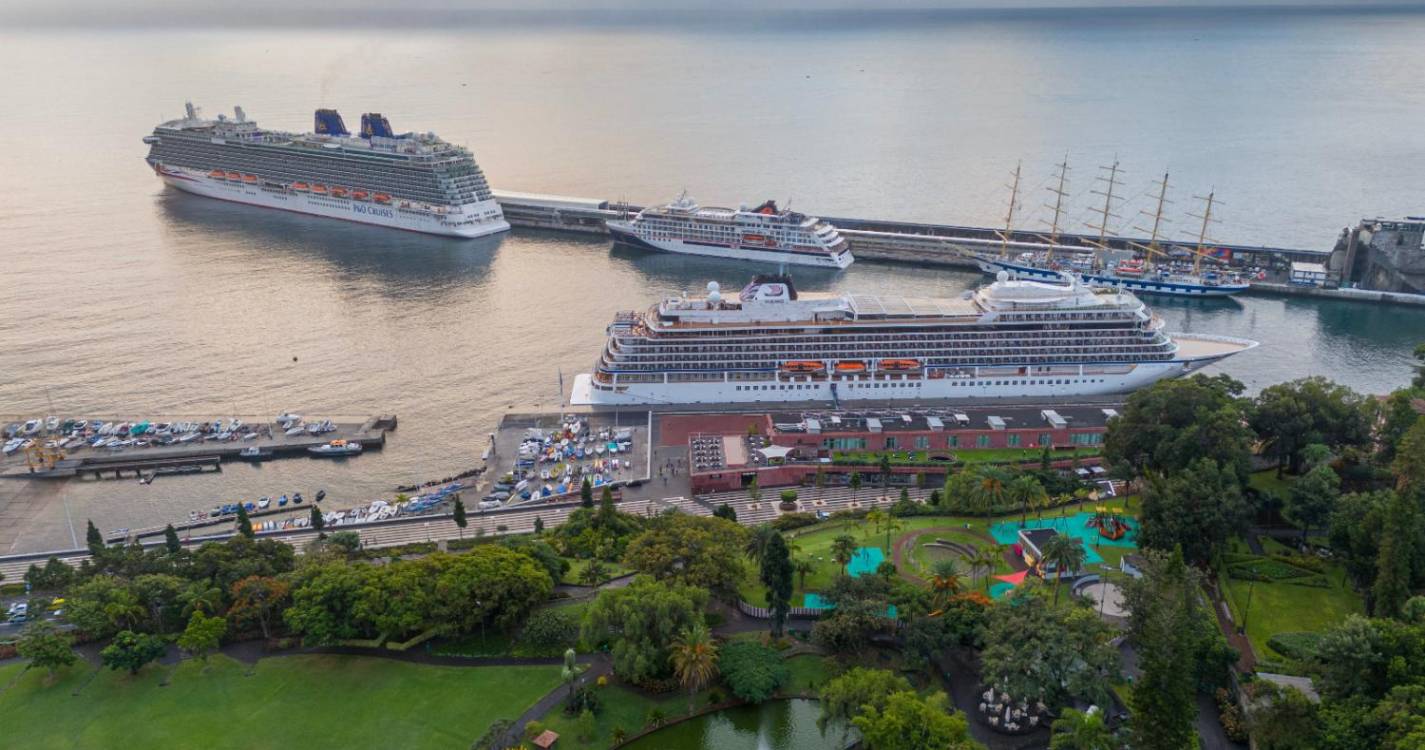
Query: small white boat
{"points": [[294, 431], [264, 502], [336, 448]]}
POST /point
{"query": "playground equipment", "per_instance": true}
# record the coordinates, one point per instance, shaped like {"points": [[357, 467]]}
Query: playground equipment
{"points": [[1109, 522]]}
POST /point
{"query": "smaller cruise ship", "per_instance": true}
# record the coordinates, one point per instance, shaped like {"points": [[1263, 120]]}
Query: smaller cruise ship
{"points": [[765, 234]]}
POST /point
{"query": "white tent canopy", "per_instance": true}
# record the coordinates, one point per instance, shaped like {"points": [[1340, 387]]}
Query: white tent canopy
{"points": [[774, 451]]}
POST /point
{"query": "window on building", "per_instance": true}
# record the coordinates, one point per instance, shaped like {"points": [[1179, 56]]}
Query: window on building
{"points": [[922, 442], [892, 443], [954, 441], [1046, 438], [1014, 440], [983, 441]]}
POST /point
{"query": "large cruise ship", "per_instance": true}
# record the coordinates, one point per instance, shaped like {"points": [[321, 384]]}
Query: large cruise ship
{"points": [[412, 181], [765, 234], [1010, 338]]}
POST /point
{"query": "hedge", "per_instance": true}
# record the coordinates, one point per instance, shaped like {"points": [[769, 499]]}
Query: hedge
{"points": [[1300, 645]]}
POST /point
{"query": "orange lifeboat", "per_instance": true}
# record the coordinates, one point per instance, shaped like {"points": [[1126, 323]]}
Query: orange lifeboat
{"points": [[338, 192], [300, 187], [897, 365], [850, 366], [382, 198], [319, 189], [803, 366], [234, 176], [360, 195], [250, 179], [217, 174]]}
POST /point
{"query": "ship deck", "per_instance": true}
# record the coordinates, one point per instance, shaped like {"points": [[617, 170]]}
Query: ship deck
{"points": [[1202, 346]]}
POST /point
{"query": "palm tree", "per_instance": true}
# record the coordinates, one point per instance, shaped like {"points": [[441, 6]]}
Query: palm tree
{"points": [[855, 485], [803, 568], [757, 541], [874, 518], [990, 493], [890, 523], [593, 574], [694, 657], [1077, 730], [944, 582], [1027, 491], [820, 482], [985, 557], [1066, 555], [843, 548]]}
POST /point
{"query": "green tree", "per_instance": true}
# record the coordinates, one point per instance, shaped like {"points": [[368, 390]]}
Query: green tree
{"points": [[1039, 652], [1196, 509], [982, 561], [989, 494], [131, 651], [593, 573], [1283, 718], [885, 471], [910, 722], [103, 605], [776, 575], [94, 540], [54, 576], [203, 635], [1409, 463], [1175, 423], [1290, 416], [873, 519], [855, 485], [1312, 499], [171, 542], [1081, 730], [1392, 579], [570, 672], [753, 670], [607, 508], [843, 698], [694, 657], [244, 524], [1026, 491], [459, 516], [890, 524], [1163, 605], [843, 549], [700, 551], [639, 622], [944, 581], [754, 490], [789, 499], [46, 647], [586, 494], [757, 541], [803, 568], [1066, 555], [725, 511], [317, 520], [538, 525]]}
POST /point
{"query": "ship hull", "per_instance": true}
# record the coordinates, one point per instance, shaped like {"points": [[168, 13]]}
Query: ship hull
{"points": [[993, 266], [625, 236], [917, 388], [468, 221]]}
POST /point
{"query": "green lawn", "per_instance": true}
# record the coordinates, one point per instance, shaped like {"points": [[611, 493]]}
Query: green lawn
{"points": [[1019, 455], [1267, 481], [1285, 607], [308, 701], [576, 566], [620, 707]]}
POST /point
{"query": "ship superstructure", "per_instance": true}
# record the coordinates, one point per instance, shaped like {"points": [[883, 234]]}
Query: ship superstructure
{"points": [[764, 234], [414, 181], [1011, 338]]}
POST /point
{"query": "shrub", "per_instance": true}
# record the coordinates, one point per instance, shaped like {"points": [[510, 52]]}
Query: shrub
{"points": [[547, 632], [789, 521], [1299, 645], [1233, 725], [752, 670], [533, 729], [584, 700], [654, 717]]}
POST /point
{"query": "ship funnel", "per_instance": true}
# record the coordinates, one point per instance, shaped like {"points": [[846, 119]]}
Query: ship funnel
{"points": [[239, 114], [191, 110], [374, 124], [328, 122]]}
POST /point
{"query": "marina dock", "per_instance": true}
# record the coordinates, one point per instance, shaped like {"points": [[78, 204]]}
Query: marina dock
{"points": [[198, 456]]}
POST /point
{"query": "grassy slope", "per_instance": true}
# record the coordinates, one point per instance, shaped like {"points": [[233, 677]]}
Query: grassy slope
{"points": [[294, 701], [1284, 607]]}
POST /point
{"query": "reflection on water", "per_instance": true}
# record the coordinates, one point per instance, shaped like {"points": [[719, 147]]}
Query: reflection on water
{"points": [[775, 725]]}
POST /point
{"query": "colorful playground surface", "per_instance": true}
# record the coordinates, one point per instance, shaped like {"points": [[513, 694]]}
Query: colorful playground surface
{"points": [[1078, 526]]}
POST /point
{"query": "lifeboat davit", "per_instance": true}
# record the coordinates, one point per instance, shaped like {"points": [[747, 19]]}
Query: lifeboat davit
{"points": [[803, 366], [319, 189], [360, 195], [899, 365], [249, 179], [381, 198], [339, 192], [850, 366], [234, 176], [300, 187], [217, 174]]}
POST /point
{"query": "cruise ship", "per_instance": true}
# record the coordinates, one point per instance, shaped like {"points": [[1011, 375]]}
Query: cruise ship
{"points": [[413, 181], [1011, 338], [765, 234]]}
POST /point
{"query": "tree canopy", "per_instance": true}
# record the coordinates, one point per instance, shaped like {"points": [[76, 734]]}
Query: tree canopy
{"points": [[1175, 423], [909, 721], [752, 670], [1290, 416], [1038, 652], [700, 551], [1196, 509], [639, 622]]}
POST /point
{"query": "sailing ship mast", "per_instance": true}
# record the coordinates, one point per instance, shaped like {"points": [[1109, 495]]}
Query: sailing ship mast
{"points": [[1106, 212], [1152, 248], [1059, 195], [1207, 219], [1009, 217]]}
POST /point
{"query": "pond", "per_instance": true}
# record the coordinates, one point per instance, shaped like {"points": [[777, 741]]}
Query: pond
{"points": [[775, 725]]}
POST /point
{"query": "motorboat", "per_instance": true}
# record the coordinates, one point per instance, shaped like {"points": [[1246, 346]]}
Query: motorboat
{"points": [[254, 453], [320, 494], [294, 431], [263, 502], [336, 449], [282, 501]]}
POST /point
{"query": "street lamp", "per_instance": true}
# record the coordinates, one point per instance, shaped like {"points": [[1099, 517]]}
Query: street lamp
{"points": [[1251, 586]]}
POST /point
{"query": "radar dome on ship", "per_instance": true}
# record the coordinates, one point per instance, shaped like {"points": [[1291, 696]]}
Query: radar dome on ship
{"points": [[1002, 276], [714, 296]]}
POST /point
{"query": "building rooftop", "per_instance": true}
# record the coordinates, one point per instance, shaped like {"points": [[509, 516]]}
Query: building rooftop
{"points": [[1037, 538], [891, 420]]}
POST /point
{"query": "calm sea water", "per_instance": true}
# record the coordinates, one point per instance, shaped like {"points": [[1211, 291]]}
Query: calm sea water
{"points": [[120, 297]]}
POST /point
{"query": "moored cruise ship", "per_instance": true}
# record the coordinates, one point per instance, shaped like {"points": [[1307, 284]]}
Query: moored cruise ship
{"points": [[1010, 338], [413, 181], [765, 234]]}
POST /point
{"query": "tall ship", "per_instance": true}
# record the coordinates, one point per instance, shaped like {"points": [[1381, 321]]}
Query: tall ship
{"points": [[413, 181], [764, 234], [1011, 338], [1146, 267]]}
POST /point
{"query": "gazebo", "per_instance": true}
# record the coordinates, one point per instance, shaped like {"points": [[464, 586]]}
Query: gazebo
{"points": [[546, 739], [775, 452]]}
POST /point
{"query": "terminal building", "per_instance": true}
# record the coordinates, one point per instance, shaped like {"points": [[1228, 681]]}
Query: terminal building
{"points": [[787, 449]]}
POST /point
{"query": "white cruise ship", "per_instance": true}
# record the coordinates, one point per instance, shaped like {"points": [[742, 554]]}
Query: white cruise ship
{"points": [[413, 181], [764, 234], [1008, 339]]}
